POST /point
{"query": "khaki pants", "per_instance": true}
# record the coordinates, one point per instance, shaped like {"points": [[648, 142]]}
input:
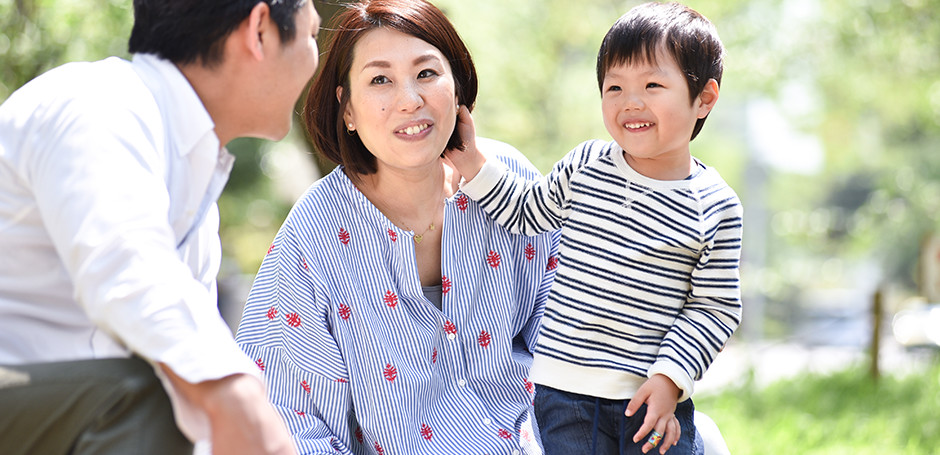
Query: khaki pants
{"points": [[100, 406]]}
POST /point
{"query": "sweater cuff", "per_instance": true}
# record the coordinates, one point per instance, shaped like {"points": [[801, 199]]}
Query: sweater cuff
{"points": [[677, 375], [485, 180]]}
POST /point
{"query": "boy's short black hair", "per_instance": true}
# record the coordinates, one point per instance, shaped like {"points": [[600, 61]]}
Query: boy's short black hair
{"points": [[681, 31], [191, 31]]}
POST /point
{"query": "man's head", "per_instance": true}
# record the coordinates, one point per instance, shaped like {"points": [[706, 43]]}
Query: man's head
{"points": [[194, 31], [681, 32]]}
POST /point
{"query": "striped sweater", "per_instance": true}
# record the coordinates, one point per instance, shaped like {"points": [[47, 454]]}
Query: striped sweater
{"points": [[358, 361], [648, 277]]}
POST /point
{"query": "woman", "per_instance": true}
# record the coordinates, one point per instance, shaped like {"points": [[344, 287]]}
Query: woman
{"points": [[390, 314]]}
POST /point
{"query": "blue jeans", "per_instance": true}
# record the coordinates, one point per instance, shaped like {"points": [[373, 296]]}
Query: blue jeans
{"points": [[572, 424]]}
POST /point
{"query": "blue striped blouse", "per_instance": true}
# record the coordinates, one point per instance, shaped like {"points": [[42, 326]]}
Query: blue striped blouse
{"points": [[357, 360]]}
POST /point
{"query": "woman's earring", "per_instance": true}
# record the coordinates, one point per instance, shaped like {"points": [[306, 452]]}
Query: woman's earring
{"points": [[349, 129]]}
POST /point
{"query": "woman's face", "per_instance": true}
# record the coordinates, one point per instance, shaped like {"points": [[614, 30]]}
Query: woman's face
{"points": [[402, 99]]}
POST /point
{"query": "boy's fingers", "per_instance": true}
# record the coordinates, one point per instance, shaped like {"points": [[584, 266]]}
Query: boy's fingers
{"points": [[654, 438], [673, 432]]}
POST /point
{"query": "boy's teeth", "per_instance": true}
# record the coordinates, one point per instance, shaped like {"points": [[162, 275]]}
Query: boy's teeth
{"points": [[637, 125]]}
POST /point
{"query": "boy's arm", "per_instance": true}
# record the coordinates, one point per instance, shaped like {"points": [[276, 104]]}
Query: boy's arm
{"points": [[712, 310], [521, 206]]}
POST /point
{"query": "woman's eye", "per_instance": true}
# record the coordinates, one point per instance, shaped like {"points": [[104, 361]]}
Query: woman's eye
{"points": [[379, 80], [426, 73]]}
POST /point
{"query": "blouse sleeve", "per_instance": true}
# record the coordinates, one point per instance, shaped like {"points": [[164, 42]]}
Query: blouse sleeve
{"points": [[285, 329]]}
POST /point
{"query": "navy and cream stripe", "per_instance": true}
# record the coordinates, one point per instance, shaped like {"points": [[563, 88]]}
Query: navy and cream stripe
{"points": [[648, 280]]}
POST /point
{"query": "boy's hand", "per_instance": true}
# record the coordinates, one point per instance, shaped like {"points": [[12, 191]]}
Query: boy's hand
{"points": [[660, 395], [469, 160]]}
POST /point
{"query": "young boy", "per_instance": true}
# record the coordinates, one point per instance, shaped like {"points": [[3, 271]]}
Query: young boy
{"points": [[647, 290]]}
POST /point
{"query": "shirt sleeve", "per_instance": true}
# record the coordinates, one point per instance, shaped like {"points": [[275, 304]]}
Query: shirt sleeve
{"points": [[98, 182], [712, 311], [285, 329], [525, 206]]}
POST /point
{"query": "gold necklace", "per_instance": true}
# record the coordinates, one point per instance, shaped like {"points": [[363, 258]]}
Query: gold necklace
{"points": [[419, 237], [416, 237]]}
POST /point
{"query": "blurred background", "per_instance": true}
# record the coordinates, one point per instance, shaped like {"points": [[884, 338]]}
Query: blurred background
{"points": [[828, 127]]}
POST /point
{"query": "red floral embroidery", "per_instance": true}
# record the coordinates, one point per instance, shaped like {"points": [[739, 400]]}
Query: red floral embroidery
{"points": [[504, 434], [272, 313], [390, 372], [525, 435], [260, 363], [484, 338], [303, 262], [270, 249], [342, 380], [434, 356], [462, 202], [344, 236], [450, 328], [426, 432], [359, 434], [529, 386], [392, 235], [390, 299], [493, 259], [293, 320], [344, 311], [305, 386], [552, 263], [529, 252], [445, 285], [378, 449], [300, 413]]}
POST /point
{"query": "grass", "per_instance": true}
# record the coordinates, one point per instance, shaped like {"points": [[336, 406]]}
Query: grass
{"points": [[842, 413]]}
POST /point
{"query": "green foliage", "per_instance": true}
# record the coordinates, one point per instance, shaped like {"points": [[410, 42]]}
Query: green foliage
{"points": [[858, 76], [37, 35], [843, 413]]}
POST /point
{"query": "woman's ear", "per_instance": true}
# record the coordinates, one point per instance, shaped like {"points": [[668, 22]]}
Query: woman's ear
{"points": [[708, 98]]}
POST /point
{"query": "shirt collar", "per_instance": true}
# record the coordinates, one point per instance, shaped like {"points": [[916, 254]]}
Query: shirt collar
{"points": [[183, 111]]}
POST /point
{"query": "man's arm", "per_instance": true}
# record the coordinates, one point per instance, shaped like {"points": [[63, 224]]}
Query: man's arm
{"points": [[241, 419]]}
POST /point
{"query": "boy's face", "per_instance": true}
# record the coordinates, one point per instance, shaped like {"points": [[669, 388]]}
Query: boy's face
{"points": [[647, 110]]}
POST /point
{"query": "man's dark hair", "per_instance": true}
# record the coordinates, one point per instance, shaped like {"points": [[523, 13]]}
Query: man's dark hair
{"points": [[191, 31], [682, 32]]}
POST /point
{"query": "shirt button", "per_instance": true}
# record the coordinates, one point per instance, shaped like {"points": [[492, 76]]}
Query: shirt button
{"points": [[461, 382], [487, 421], [451, 336]]}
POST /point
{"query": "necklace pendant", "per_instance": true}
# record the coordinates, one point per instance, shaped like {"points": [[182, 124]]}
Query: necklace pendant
{"points": [[417, 238]]}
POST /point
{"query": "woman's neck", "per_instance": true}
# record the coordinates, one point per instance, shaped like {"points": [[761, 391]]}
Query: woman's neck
{"points": [[412, 201]]}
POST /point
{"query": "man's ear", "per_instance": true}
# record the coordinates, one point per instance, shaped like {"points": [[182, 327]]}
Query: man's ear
{"points": [[708, 98], [256, 29]]}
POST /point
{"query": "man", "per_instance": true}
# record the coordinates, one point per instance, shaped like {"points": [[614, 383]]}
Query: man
{"points": [[109, 176]]}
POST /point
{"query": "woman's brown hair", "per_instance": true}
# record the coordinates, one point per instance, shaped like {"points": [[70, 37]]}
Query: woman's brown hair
{"points": [[323, 114]]}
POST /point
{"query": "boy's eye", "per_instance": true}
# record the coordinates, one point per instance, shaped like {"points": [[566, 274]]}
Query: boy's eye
{"points": [[379, 80], [653, 85], [613, 88]]}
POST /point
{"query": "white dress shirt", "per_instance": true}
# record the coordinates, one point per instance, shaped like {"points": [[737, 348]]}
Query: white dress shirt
{"points": [[109, 176]]}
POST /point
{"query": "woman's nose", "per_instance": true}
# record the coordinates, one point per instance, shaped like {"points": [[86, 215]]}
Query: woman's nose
{"points": [[410, 98]]}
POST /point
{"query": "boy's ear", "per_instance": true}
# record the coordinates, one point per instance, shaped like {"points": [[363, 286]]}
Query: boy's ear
{"points": [[708, 98]]}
